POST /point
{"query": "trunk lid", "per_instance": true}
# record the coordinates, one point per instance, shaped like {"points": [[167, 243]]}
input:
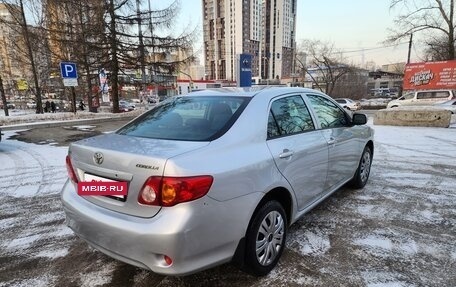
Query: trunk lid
{"points": [[125, 158]]}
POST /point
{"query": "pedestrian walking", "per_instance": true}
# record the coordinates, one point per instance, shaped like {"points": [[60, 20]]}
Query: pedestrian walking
{"points": [[47, 107], [81, 105], [53, 106]]}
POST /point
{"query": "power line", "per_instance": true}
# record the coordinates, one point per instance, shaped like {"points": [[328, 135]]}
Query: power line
{"points": [[374, 48]]}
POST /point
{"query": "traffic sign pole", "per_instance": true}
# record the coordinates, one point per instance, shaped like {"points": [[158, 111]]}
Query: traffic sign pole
{"points": [[69, 74]]}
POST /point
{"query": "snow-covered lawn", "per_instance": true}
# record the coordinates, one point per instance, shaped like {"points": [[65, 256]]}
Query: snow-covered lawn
{"points": [[400, 230], [29, 116]]}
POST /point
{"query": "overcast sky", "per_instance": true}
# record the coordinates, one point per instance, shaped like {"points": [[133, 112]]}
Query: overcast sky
{"points": [[351, 25]]}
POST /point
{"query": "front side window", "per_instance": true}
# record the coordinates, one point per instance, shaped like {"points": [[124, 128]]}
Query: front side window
{"points": [[188, 118], [329, 114], [289, 116], [407, 96]]}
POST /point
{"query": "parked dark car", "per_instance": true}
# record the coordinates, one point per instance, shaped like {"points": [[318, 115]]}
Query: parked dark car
{"points": [[124, 107], [10, 105]]}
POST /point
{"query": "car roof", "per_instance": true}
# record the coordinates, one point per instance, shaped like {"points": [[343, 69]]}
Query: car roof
{"points": [[251, 91]]}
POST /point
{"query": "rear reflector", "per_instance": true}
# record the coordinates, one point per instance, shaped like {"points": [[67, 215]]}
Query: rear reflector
{"points": [[70, 170], [169, 191], [168, 260]]}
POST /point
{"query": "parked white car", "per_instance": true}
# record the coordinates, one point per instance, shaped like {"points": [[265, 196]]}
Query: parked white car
{"points": [[31, 105], [422, 98], [348, 104]]}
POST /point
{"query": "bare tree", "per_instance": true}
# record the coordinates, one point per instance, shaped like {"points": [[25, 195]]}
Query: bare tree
{"points": [[326, 66], [25, 45], [76, 33], [436, 50], [115, 35], [352, 85], [434, 19]]}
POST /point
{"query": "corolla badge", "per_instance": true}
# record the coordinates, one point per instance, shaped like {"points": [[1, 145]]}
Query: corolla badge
{"points": [[98, 158]]}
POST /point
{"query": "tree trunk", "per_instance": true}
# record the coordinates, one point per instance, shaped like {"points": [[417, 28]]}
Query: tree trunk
{"points": [[39, 104], [114, 60], [85, 55], [451, 47], [2, 92]]}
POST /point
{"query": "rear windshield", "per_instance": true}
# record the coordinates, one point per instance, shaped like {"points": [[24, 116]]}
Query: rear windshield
{"points": [[188, 118]]}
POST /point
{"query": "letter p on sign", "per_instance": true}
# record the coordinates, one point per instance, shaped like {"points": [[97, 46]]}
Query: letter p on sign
{"points": [[68, 70]]}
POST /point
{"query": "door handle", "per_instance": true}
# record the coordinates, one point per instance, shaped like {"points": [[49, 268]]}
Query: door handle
{"points": [[331, 141], [286, 153]]}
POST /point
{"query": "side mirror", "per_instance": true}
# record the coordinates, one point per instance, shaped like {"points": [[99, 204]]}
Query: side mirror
{"points": [[359, 119]]}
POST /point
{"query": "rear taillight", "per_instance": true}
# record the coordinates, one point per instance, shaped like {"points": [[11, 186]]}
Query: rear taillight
{"points": [[169, 191], [71, 173]]}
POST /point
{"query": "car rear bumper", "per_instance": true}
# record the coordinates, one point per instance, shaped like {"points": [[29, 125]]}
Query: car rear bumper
{"points": [[195, 235]]}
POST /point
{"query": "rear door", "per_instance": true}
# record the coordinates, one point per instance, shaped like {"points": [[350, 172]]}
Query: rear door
{"points": [[300, 151]]}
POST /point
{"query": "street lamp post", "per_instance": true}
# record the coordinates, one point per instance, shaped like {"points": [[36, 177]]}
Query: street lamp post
{"points": [[302, 64], [190, 84]]}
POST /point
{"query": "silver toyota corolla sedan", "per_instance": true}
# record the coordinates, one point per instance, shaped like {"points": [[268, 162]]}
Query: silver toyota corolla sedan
{"points": [[214, 177]]}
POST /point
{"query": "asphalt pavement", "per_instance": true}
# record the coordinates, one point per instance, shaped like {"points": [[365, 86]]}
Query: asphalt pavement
{"points": [[397, 231]]}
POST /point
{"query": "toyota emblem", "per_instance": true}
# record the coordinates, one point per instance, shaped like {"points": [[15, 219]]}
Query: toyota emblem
{"points": [[98, 158]]}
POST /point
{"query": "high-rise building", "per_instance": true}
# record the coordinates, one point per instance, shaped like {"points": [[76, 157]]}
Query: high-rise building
{"points": [[263, 28]]}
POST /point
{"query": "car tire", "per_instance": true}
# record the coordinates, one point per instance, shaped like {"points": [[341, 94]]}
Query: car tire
{"points": [[268, 230], [361, 176]]}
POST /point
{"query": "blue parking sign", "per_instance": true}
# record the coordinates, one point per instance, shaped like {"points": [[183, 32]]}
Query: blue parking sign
{"points": [[68, 70], [244, 72]]}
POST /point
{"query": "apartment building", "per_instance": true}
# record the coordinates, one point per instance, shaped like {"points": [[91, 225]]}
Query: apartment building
{"points": [[12, 56], [264, 29]]}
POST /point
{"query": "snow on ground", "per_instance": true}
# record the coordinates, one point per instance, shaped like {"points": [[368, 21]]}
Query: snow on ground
{"points": [[397, 231], [28, 116]]}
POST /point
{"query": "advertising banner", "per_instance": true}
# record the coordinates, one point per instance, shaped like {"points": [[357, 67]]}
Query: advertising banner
{"points": [[430, 75], [104, 88], [103, 81], [22, 85]]}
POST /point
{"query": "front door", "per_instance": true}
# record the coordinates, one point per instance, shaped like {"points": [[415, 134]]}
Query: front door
{"points": [[300, 151], [343, 146]]}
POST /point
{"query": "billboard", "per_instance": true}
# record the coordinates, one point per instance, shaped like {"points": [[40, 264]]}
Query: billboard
{"points": [[430, 75]]}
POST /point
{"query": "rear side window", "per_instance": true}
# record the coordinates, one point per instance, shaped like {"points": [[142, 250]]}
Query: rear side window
{"points": [[289, 116], [441, 94], [329, 114], [433, 95], [188, 118]]}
